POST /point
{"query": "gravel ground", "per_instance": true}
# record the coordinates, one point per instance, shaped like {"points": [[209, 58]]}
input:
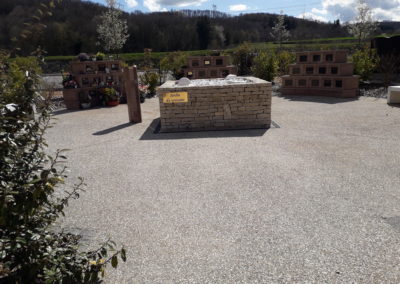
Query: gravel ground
{"points": [[315, 199], [376, 92]]}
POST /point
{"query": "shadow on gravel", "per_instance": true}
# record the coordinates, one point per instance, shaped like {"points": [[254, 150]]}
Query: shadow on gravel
{"points": [[317, 99], [113, 129], [393, 221], [394, 105], [62, 111], [153, 133]]}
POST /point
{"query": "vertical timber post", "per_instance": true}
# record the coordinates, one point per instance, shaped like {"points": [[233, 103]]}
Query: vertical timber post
{"points": [[132, 94]]}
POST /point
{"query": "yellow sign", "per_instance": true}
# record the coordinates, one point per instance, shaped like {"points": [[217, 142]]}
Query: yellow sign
{"points": [[178, 97]]}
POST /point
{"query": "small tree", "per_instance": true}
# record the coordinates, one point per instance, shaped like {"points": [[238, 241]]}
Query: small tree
{"points": [[365, 61], [279, 32], [284, 59], [242, 58], [265, 66], [174, 62], [112, 30], [364, 25], [151, 79]]}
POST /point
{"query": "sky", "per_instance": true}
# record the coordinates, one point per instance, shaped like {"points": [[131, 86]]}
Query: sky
{"points": [[322, 10]]}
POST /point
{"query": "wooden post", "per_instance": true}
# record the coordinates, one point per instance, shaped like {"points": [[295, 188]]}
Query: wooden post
{"points": [[132, 94]]}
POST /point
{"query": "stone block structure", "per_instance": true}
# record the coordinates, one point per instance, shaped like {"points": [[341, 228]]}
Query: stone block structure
{"points": [[218, 105], [202, 67], [321, 73], [393, 95]]}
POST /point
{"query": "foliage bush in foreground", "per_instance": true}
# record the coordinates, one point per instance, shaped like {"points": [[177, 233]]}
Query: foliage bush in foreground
{"points": [[32, 249]]}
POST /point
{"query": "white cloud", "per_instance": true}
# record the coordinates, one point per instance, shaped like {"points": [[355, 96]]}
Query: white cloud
{"points": [[152, 5], [238, 7], [312, 16], [346, 10], [158, 5], [318, 11], [131, 3]]}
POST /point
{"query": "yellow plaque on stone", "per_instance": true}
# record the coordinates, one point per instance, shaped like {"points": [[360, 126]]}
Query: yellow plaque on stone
{"points": [[177, 97]]}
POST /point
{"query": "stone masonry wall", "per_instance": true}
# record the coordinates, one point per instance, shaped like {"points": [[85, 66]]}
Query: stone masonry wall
{"points": [[237, 106]]}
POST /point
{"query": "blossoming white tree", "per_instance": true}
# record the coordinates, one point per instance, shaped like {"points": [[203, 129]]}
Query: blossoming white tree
{"points": [[113, 30], [279, 32], [364, 25]]}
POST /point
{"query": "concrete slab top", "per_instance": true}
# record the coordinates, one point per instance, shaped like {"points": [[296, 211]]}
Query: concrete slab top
{"points": [[394, 88]]}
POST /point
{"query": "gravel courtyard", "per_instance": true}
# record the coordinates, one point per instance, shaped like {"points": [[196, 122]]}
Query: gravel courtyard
{"points": [[316, 198]]}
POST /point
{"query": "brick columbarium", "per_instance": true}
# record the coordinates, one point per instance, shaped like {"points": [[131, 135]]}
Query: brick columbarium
{"points": [[201, 67], [87, 77], [321, 73], [215, 104]]}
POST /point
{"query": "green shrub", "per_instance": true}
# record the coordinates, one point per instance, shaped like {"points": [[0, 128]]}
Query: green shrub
{"points": [[100, 56], [32, 249], [111, 94], [174, 62], [284, 59], [150, 79], [243, 58], [265, 66], [365, 62]]}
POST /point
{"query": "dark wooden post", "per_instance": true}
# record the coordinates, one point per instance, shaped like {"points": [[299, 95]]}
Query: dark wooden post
{"points": [[132, 94]]}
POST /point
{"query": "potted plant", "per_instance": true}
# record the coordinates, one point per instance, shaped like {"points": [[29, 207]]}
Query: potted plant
{"points": [[143, 91], [100, 56], [69, 82], [83, 57], [111, 97], [151, 80]]}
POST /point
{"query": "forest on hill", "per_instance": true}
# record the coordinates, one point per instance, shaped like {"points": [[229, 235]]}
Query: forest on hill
{"points": [[72, 28]]}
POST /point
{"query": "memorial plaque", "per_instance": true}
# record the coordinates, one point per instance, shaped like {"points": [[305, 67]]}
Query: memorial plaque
{"points": [[177, 97]]}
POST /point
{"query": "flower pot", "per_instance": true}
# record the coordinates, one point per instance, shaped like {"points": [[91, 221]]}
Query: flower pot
{"points": [[112, 103], [85, 105]]}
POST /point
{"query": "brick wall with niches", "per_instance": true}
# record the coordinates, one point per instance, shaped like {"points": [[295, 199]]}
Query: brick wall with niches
{"points": [[321, 73]]}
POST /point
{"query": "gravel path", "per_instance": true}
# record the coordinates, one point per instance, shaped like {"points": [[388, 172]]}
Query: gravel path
{"points": [[314, 199]]}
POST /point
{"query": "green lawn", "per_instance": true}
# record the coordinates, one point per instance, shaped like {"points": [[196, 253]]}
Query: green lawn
{"points": [[134, 56], [325, 43], [61, 62]]}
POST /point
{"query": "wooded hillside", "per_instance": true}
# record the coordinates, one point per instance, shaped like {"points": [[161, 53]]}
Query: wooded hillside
{"points": [[72, 28]]}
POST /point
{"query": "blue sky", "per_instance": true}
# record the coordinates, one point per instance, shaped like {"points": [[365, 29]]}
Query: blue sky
{"points": [[323, 10]]}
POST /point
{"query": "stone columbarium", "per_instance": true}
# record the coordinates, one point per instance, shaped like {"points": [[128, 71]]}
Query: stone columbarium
{"points": [[215, 104]]}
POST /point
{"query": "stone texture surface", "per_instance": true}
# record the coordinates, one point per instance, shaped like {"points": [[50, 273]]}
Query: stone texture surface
{"points": [[314, 201], [236, 106]]}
